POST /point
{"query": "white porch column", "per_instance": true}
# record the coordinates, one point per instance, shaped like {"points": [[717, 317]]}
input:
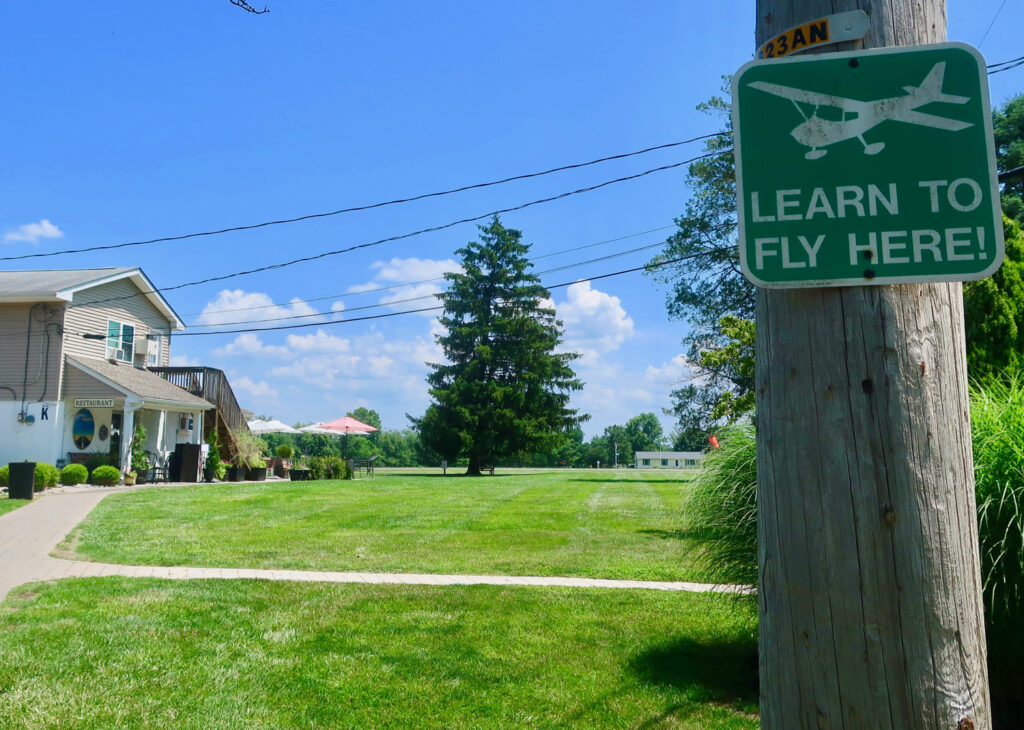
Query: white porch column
{"points": [[127, 433], [161, 429]]}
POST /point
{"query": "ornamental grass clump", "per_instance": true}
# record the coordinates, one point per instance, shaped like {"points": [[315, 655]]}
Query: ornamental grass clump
{"points": [[997, 420], [721, 510]]}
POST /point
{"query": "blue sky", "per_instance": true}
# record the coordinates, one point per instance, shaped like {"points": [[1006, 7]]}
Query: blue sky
{"points": [[128, 121]]}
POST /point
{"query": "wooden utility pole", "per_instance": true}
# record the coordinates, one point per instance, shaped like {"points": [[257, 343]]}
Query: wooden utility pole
{"points": [[870, 590]]}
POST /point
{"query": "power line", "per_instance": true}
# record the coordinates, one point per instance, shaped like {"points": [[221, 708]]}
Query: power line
{"points": [[1003, 63], [1011, 174], [1006, 65], [994, 17], [432, 229], [414, 283], [370, 206], [424, 296], [646, 267]]}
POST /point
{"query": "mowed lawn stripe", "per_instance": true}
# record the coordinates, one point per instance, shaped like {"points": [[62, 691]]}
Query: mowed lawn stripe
{"points": [[114, 652], [572, 523]]}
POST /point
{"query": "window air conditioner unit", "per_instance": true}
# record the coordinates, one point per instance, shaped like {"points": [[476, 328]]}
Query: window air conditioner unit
{"points": [[153, 347]]}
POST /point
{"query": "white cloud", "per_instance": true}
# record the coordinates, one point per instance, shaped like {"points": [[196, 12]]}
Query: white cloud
{"points": [[180, 361], [249, 343], [423, 296], [320, 341], [261, 390], [413, 269], [674, 371], [408, 270], [32, 232], [595, 322], [237, 305]]}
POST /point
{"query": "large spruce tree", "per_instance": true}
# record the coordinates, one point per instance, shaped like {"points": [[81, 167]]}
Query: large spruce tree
{"points": [[504, 389]]}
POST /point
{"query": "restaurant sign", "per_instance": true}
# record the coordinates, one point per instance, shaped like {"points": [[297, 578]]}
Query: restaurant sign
{"points": [[94, 402]]}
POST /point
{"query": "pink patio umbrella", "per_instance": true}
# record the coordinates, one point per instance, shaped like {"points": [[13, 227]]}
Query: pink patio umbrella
{"points": [[344, 426], [347, 425]]}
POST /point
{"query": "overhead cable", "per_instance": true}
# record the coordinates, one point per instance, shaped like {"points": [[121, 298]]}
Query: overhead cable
{"points": [[422, 297], [370, 206], [414, 283], [646, 267], [390, 239]]}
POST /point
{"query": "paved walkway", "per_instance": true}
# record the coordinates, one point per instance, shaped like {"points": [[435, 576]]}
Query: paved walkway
{"points": [[29, 534]]}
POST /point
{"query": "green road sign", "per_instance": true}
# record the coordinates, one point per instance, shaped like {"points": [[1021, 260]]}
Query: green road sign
{"points": [[870, 167]]}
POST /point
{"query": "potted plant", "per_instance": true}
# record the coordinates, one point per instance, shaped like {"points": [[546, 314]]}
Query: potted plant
{"points": [[235, 472], [130, 477], [250, 456], [282, 464], [299, 471], [140, 459], [213, 462]]}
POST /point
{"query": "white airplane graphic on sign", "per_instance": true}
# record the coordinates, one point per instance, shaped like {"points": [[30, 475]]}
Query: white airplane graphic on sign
{"points": [[860, 116]]}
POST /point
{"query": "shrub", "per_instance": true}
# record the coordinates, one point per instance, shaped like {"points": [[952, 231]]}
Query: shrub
{"points": [[46, 476], [284, 451], [722, 508], [96, 459], [213, 461], [74, 474], [329, 467], [140, 459], [997, 419], [105, 476]]}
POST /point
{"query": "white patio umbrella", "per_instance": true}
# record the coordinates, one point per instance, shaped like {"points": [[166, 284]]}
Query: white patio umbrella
{"points": [[259, 427], [318, 428]]}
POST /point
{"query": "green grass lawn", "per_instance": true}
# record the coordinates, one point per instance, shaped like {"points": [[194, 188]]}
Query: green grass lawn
{"points": [[9, 505], [624, 524], [133, 653]]}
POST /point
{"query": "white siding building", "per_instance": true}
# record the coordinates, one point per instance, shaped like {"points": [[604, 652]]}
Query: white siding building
{"points": [[668, 459], [73, 367]]}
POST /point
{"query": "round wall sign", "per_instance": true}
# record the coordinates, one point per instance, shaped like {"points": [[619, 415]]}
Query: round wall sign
{"points": [[83, 429], [104, 432]]}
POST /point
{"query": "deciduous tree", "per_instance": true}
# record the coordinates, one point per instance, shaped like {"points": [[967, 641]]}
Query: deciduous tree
{"points": [[994, 312], [1008, 126]]}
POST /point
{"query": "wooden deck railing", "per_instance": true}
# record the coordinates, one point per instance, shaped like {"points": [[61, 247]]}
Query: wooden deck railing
{"points": [[212, 385]]}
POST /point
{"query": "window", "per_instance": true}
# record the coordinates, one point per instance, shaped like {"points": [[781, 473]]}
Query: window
{"points": [[153, 344], [691, 462], [647, 462], [120, 341], [664, 462]]}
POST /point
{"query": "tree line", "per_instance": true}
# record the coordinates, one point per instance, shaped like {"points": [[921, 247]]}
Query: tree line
{"points": [[405, 447]]}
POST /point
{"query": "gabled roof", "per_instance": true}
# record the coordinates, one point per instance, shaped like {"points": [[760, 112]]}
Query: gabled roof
{"points": [[135, 381], [62, 284]]}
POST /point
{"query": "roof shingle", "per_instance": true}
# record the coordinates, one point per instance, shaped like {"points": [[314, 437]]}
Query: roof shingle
{"points": [[142, 383]]}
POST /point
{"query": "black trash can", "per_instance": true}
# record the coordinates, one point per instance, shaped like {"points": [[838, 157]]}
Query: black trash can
{"points": [[22, 482]]}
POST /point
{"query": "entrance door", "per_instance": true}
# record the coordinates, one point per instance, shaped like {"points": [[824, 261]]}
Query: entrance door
{"points": [[116, 420]]}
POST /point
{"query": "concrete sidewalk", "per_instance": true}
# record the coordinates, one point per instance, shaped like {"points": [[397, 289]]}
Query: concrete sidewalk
{"points": [[29, 534]]}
